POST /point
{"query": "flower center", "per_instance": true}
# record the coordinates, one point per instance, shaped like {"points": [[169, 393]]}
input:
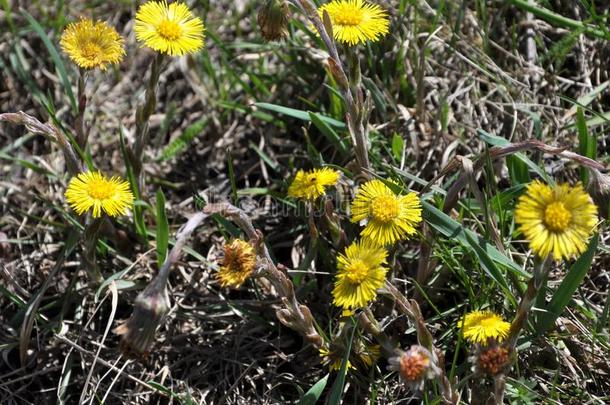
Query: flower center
{"points": [[348, 16], [556, 217], [169, 30], [312, 178], [91, 51], [100, 189], [357, 272], [385, 208]]}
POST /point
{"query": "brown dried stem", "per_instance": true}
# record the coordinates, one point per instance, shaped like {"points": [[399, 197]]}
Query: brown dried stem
{"points": [[293, 314]]}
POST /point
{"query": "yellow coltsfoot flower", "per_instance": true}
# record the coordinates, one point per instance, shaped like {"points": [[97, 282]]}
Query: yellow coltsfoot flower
{"points": [[92, 44], [238, 263], [169, 28], [312, 184], [94, 190], [360, 273], [387, 217], [557, 220], [483, 326], [356, 21]]}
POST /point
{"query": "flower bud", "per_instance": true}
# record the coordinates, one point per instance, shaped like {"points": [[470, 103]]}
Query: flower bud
{"points": [[138, 332], [273, 18], [599, 189], [414, 366]]}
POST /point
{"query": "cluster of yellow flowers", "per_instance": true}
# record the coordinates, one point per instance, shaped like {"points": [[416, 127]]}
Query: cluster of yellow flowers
{"points": [[166, 28]]}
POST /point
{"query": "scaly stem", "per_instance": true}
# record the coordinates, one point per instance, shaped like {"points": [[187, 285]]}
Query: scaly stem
{"points": [[82, 132], [90, 237], [143, 113]]}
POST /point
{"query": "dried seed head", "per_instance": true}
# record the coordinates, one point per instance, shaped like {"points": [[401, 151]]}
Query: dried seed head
{"points": [[273, 18], [415, 365], [138, 332], [492, 360], [599, 189]]}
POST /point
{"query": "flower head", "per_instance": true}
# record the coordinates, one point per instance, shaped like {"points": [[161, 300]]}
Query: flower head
{"points": [[483, 326], [360, 273], [356, 21], [333, 358], [387, 217], [94, 190], [312, 184], [169, 28], [415, 365], [363, 353], [238, 264], [556, 219], [92, 44]]}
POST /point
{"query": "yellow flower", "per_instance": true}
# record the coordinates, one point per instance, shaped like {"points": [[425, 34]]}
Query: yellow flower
{"points": [[387, 217], [360, 273], [93, 189], [556, 219], [480, 326], [238, 264], [312, 184], [356, 21], [92, 44], [170, 29]]}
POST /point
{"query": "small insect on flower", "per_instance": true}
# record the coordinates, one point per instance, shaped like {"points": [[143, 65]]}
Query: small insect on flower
{"points": [[356, 21], [414, 366], [387, 217], [238, 264], [556, 219], [92, 44], [360, 273], [94, 190], [483, 326], [171, 29], [312, 184]]}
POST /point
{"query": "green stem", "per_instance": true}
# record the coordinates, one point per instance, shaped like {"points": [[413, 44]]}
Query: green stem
{"points": [[90, 237]]}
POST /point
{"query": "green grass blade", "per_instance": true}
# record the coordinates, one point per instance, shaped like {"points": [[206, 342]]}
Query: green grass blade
{"points": [[587, 144], [299, 114], [328, 132], [162, 229], [337, 389], [314, 393], [59, 64], [567, 288]]}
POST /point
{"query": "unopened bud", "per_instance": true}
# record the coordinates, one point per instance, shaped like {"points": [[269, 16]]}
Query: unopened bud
{"points": [[599, 189], [273, 18], [138, 332], [414, 366], [337, 73]]}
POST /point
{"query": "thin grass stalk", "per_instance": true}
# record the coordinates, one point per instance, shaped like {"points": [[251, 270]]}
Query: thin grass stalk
{"points": [[293, 314]]}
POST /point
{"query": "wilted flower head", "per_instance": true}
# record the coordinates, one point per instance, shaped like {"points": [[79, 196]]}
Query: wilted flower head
{"points": [[273, 18], [238, 263], [92, 44], [362, 353], [491, 360], [138, 332], [414, 366]]}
